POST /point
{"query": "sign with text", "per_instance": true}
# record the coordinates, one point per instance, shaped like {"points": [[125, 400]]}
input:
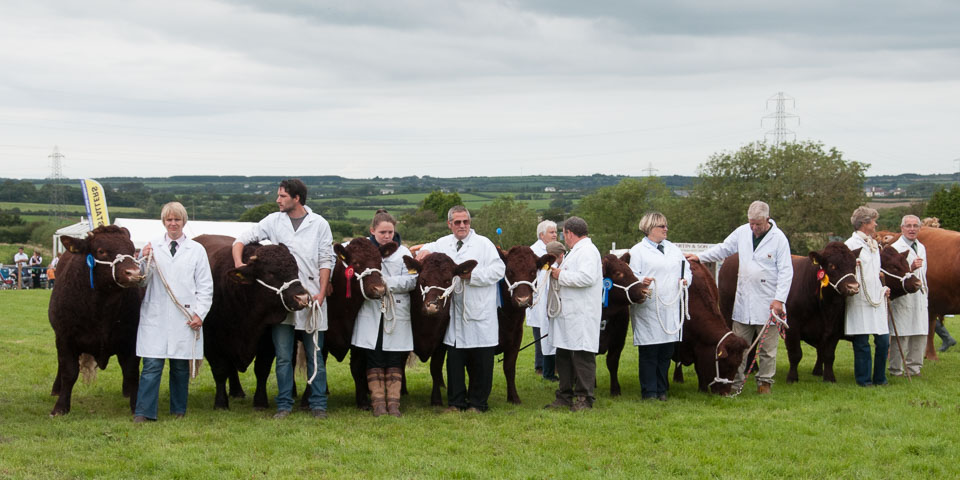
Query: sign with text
{"points": [[96, 202]]}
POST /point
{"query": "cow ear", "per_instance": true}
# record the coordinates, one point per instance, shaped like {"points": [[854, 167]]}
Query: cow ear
{"points": [[503, 255], [465, 267], [243, 275], [388, 249], [545, 261], [905, 254], [856, 253], [626, 258], [74, 245], [816, 258], [342, 253], [413, 266]]}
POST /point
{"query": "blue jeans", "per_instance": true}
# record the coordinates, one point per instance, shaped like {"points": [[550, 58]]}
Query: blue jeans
{"points": [[148, 394], [283, 343], [862, 361]]}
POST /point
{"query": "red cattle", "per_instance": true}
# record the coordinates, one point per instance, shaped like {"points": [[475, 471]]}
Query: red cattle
{"points": [[517, 293], [95, 311], [615, 317], [237, 327], [943, 276], [430, 310]]}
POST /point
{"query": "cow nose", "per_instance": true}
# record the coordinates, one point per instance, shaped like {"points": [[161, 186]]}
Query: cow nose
{"points": [[303, 299], [133, 274], [379, 290], [853, 288], [524, 301], [432, 309]]}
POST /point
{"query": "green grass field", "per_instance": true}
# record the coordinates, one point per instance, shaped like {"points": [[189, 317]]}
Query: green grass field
{"points": [[807, 430], [72, 209]]}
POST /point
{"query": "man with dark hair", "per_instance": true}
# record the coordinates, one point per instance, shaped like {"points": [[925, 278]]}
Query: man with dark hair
{"points": [[473, 333], [307, 235], [575, 321]]}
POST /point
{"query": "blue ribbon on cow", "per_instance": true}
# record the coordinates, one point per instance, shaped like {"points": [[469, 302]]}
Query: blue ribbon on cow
{"points": [[607, 285], [90, 263]]}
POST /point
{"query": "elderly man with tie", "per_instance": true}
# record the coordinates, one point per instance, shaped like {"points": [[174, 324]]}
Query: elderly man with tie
{"points": [[910, 311]]}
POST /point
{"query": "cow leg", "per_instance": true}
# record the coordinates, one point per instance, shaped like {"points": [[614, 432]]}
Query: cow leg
{"points": [[828, 355], [236, 389], [55, 391], [510, 355], [261, 370], [130, 371], [705, 373], [69, 368], [794, 354], [613, 359], [220, 376], [358, 370], [436, 374], [677, 372], [931, 352]]}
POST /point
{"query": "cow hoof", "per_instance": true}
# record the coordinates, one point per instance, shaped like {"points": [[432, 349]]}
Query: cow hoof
{"points": [[221, 407], [57, 412], [829, 380], [240, 394], [515, 401]]}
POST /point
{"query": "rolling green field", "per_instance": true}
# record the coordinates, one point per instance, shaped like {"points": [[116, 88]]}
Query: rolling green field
{"points": [[72, 209], [807, 430]]}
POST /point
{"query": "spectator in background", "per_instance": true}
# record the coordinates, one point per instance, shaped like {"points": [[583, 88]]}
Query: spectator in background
{"points": [[35, 263], [20, 259]]}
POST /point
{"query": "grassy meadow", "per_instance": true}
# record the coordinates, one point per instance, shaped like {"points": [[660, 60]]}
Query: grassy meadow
{"points": [[807, 430]]}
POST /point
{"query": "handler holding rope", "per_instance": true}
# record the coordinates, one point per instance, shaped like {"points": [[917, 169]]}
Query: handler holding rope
{"points": [[179, 295], [307, 236], [383, 332], [910, 311], [763, 283], [866, 312], [658, 322]]}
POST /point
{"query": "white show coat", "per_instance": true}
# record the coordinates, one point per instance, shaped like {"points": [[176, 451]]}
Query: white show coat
{"points": [[400, 282], [163, 330], [311, 245], [862, 317], [910, 310], [647, 261], [765, 274], [473, 315], [577, 327], [537, 314]]}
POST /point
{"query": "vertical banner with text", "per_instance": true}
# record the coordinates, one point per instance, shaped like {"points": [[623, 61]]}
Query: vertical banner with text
{"points": [[96, 201]]}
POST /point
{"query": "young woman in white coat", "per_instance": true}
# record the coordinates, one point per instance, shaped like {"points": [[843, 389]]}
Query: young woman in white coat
{"points": [[657, 322], [165, 331], [866, 312], [386, 338]]}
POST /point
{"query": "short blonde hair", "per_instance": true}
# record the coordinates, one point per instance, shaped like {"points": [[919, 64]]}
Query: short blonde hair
{"points": [[176, 209], [651, 220], [862, 215]]}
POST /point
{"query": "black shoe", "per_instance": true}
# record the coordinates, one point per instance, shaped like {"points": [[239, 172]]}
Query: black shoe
{"points": [[140, 419], [319, 413], [662, 398]]}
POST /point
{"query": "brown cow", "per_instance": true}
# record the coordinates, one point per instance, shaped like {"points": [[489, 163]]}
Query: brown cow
{"points": [[943, 276], [237, 327], [517, 286], [815, 313], [615, 317], [430, 310], [96, 313]]}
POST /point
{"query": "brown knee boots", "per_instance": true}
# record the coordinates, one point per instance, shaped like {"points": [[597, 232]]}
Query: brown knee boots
{"points": [[394, 382], [377, 394]]}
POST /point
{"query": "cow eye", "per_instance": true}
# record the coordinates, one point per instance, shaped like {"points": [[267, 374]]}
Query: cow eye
{"points": [[101, 252]]}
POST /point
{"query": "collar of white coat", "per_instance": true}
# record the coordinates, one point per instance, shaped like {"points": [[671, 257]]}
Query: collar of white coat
{"points": [[773, 229], [539, 247], [466, 240], [309, 218], [908, 245], [650, 244], [582, 243]]}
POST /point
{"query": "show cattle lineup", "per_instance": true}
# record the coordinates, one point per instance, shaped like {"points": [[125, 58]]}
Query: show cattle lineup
{"points": [[459, 301]]}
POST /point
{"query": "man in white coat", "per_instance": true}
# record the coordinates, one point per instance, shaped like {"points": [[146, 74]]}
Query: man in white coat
{"points": [[910, 311], [544, 358], [575, 329], [307, 235], [473, 333], [763, 283], [165, 331]]}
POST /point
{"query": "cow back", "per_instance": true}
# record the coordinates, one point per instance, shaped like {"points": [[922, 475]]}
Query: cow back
{"points": [[943, 269]]}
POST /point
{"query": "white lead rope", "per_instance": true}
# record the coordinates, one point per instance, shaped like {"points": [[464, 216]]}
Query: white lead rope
{"points": [[113, 265], [903, 279], [716, 361], [866, 294], [626, 290], [683, 296], [312, 327], [279, 291]]}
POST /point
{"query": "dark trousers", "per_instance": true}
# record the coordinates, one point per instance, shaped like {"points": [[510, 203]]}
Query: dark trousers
{"points": [[538, 353], [479, 367], [378, 358], [861, 359], [578, 375], [654, 364]]}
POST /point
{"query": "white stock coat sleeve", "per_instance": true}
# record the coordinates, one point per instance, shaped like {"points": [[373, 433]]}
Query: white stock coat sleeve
{"points": [[490, 270], [404, 282], [784, 272], [325, 254], [257, 233], [204, 281], [721, 250], [581, 278]]}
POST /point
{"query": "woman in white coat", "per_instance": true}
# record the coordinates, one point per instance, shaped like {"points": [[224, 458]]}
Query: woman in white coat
{"points": [[866, 312], [386, 338], [178, 297], [657, 322]]}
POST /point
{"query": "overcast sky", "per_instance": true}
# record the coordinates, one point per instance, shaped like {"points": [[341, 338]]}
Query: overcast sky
{"points": [[451, 88]]}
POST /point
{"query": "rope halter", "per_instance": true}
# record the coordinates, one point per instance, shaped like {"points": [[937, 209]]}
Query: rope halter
{"points": [[456, 286], [311, 327], [113, 265], [279, 291], [836, 286], [363, 274], [534, 285], [626, 290], [903, 279], [716, 362]]}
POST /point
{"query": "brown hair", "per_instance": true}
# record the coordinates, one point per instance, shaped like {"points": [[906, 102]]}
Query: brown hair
{"points": [[295, 188], [380, 217]]}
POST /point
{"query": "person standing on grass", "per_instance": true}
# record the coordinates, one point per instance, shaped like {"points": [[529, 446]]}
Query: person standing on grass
{"points": [[20, 259], [544, 360], [910, 311], [164, 331], [385, 342], [308, 237], [473, 333], [763, 283], [575, 324], [866, 312], [35, 262], [657, 327]]}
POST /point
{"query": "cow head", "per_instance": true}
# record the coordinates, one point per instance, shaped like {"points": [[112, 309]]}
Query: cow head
{"points": [[714, 350], [435, 279], [275, 266], [839, 263], [522, 266], [885, 238], [113, 251], [627, 289], [895, 263], [365, 260]]}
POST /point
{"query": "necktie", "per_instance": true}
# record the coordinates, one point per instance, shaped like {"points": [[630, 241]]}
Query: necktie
{"points": [[173, 248], [459, 244], [914, 245], [660, 247]]}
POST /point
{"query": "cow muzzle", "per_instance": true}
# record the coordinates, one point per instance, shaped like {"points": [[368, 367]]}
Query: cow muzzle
{"points": [[303, 300]]}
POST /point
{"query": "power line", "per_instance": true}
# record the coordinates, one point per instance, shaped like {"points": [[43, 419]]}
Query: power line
{"points": [[56, 175], [780, 117]]}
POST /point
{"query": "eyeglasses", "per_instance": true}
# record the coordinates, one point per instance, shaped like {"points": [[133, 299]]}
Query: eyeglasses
{"points": [[911, 226], [460, 222], [661, 226]]}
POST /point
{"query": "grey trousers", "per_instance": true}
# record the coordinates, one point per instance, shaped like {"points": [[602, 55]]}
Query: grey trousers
{"points": [[914, 346], [766, 356], [577, 370]]}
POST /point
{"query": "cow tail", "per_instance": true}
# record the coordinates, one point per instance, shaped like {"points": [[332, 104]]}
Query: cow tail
{"points": [[88, 368]]}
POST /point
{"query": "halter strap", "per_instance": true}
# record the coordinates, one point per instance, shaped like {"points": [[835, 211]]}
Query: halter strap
{"points": [[113, 265], [626, 290], [279, 291], [716, 361]]}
